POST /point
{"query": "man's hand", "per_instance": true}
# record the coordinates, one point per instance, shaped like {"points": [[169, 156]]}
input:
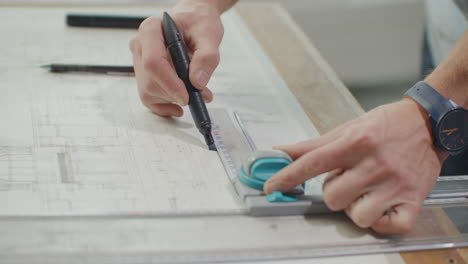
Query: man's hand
{"points": [[159, 87], [381, 166]]}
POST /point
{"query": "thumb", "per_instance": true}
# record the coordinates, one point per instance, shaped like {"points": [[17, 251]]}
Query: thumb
{"points": [[205, 59]]}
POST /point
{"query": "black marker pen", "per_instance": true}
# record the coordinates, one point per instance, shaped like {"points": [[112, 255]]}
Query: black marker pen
{"points": [[105, 69], [176, 46], [105, 21]]}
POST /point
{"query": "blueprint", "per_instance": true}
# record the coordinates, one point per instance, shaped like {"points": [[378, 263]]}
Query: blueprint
{"points": [[84, 144]]}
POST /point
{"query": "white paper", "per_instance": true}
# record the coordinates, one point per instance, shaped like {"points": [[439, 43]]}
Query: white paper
{"points": [[84, 143]]}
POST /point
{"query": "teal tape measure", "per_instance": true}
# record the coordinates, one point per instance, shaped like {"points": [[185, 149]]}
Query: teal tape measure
{"points": [[261, 166], [248, 169]]}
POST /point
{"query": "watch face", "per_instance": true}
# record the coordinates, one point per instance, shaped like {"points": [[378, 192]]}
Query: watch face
{"points": [[453, 130]]}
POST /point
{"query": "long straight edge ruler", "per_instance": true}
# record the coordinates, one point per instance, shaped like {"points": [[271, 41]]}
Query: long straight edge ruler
{"points": [[251, 255], [449, 190]]}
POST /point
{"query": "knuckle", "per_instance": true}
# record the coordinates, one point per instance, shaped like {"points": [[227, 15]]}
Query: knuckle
{"points": [[310, 164], [361, 216], [216, 28], [149, 23], [211, 58], [384, 164], [150, 64], [332, 200], [183, 17], [402, 226], [365, 137], [391, 172], [366, 140], [361, 220], [307, 167]]}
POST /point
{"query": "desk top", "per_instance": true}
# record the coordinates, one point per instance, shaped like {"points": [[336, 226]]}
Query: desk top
{"points": [[295, 57]]}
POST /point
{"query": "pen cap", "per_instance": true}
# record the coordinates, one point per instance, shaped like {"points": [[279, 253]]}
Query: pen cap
{"points": [[171, 32]]}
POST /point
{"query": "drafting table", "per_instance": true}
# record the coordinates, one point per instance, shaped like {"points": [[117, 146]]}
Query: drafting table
{"points": [[280, 38]]}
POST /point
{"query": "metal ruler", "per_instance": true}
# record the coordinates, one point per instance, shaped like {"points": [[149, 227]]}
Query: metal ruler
{"points": [[449, 190], [230, 144]]}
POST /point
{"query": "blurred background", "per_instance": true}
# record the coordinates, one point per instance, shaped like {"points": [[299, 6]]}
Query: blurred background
{"points": [[373, 45]]}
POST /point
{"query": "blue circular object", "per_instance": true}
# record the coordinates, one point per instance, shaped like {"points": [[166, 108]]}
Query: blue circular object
{"points": [[261, 170]]}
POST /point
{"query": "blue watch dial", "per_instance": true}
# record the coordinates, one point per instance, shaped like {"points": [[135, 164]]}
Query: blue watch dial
{"points": [[452, 130], [449, 121]]}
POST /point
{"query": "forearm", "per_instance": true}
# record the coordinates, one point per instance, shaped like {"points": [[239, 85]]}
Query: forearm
{"points": [[450, 78]]}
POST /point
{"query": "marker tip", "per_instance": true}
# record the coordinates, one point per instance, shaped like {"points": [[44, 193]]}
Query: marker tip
{"points": [[212, 147]]}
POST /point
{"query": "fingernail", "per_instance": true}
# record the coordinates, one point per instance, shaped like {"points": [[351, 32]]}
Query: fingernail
{"points": [[202, 78]]}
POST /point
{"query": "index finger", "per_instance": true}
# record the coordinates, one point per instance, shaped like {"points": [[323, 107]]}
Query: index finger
{"points": [[323, 159]]}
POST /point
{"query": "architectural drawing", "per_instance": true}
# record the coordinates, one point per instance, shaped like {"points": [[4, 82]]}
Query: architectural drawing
{"points": [[84, 144]]}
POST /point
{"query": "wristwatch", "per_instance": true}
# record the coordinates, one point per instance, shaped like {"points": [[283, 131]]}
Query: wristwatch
{"points": [[449, 121]]}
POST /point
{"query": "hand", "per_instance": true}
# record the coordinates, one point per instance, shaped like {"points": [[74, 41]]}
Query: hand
{"points": [[381, 166], [159, 87]]}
